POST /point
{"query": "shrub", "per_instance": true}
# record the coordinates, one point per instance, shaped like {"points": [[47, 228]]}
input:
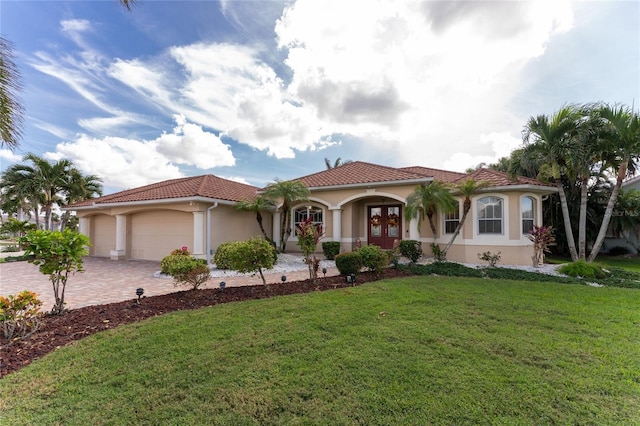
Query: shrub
{"points": [[447, 268], [331, 249], [58, 254], [181, 251], [221, 256], [19, 315], [583, 269], [373, 258], [252, 255], [309, 235], [542, 237], [411, 249], [186, 270], [492, 258], [349, 262], [393, 256]]}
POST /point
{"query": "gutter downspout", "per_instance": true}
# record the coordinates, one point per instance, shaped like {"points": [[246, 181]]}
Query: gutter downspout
{"points": [[215, 205]]}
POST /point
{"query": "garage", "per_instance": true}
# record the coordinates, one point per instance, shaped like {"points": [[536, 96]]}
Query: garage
{"points": [[152, 235]]}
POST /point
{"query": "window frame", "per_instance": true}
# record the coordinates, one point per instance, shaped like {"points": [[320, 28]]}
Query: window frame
{"points": [[446, 219], [482, 222], [307, 208], [532, 219]]}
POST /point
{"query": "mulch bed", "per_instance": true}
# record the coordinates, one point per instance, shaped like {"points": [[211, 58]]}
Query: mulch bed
{"points": [[58, 331]]}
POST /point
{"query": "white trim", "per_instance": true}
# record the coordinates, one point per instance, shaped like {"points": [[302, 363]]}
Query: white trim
{"points": [[371, 195], [536, 218], [489, 239], [97, 206]]}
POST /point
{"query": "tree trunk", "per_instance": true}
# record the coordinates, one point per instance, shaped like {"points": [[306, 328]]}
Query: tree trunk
{"points": [[622, 172], [467, 207], [567, 221], [432, 225], [582, 222]]}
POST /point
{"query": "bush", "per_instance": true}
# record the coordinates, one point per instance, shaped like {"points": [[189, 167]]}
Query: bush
{"points": [[331, 249], [393, 256], [186, 270], [411, 249], [10, 249], [447, 268], [373, 258], [492, 258], [19, 315], [583, 269], [349, 263], [221, 256], [181, 251], [252, 255]]}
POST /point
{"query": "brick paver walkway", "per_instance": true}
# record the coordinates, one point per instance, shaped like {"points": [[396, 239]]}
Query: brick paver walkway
{"points": [[106, 281]]}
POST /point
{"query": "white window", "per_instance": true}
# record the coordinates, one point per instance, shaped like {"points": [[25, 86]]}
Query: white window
{"points": [[490, 215], [451, 219], [526, 209], [302, 213]]}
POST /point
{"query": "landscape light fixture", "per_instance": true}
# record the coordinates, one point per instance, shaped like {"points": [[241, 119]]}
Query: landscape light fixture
{"points": [[324, 272], [139, 293], [283, 278], [222, 285], [351, 279]]}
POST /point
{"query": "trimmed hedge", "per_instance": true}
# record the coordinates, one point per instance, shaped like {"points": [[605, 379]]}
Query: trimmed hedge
{"points": [[349, 263], [411, 249], [373, 258], [331, 249]]}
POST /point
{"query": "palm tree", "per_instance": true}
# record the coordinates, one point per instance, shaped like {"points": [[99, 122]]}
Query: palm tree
{"points": [[258, 205], [466, 188], [289, 192], [623, 151], [549, 148], [79, 188], [11, 110], [426, 200], [336, 163], [128, 3], [20, 194]]}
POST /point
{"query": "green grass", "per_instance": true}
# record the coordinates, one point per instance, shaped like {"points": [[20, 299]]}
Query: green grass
{"points": [[419, 350], [631, 264]]}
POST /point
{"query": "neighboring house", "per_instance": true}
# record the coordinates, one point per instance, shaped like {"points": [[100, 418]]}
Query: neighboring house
{"points": [[630, 240], [357, 203]]}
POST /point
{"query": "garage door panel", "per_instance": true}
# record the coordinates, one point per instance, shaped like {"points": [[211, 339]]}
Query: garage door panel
{"points": [[155, 234], [103, 235]]}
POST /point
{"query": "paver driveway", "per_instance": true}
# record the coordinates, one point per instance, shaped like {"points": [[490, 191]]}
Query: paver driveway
{"points": [[106, 281]]}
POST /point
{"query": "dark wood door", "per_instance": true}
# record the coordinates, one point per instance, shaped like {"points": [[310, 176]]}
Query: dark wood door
{"points": [[385, 224]]}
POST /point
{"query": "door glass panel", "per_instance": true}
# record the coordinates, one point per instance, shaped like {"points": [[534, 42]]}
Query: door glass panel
{"points": [[393, 221], [375, 221]]}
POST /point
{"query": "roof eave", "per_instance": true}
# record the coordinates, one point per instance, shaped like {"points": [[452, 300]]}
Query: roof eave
{"points": [[520, 187], [95, 206]]}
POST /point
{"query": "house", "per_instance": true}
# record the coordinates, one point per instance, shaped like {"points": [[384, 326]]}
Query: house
{"points": [[629, 240], [357, 203]]}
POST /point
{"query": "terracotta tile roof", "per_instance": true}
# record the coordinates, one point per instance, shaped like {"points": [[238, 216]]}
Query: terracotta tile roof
{"points": [[358, 172], [207, 186], [436, 174], [496, 178]]}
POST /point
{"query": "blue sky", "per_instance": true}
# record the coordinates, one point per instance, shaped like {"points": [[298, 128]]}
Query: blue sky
{"points": [[258, 90]]}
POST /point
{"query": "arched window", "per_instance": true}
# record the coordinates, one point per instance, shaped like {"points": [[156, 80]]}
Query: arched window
{"points": [[451, 219], [490, 215], [302, 213], [527, 211]]}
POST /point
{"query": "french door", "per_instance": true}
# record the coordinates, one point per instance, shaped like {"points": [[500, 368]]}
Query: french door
{"points": [[385, 225]]}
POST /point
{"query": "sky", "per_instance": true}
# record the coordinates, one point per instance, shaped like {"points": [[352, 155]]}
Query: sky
{"points": [[255, 91]]}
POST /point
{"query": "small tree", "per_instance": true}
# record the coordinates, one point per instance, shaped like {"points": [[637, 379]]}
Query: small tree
{"points": [[542, 237], [58, 254], [252, 255], [186, 270], [309, 235]]}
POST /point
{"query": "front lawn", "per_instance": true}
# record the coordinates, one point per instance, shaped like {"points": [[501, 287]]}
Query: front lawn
{"points": [[418, 350]]}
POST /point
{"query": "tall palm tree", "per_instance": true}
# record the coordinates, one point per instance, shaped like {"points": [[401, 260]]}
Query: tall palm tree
{"points": [[426, 200], [20, 194], [466, 188], [11, 110], [258, 205], [288, 192], [623, 156], [79, 188], [549, 147]]}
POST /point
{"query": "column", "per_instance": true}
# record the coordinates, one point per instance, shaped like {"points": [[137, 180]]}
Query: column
{"points": [[414, 232], [337, 223], [121, 238], [198, 234]]}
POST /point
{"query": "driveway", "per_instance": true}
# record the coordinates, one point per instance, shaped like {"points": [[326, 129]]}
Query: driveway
{"points": [[106, 281]]}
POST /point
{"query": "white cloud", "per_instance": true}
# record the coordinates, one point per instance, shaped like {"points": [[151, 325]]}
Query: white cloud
{"points": [[128, 163], [8, 156]]}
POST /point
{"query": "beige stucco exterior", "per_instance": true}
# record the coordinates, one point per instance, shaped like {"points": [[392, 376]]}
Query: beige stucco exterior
{"points": [[148, 231]]}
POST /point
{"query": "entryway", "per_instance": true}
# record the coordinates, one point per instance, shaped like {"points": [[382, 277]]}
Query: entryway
{"points": [[385, 223]]}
